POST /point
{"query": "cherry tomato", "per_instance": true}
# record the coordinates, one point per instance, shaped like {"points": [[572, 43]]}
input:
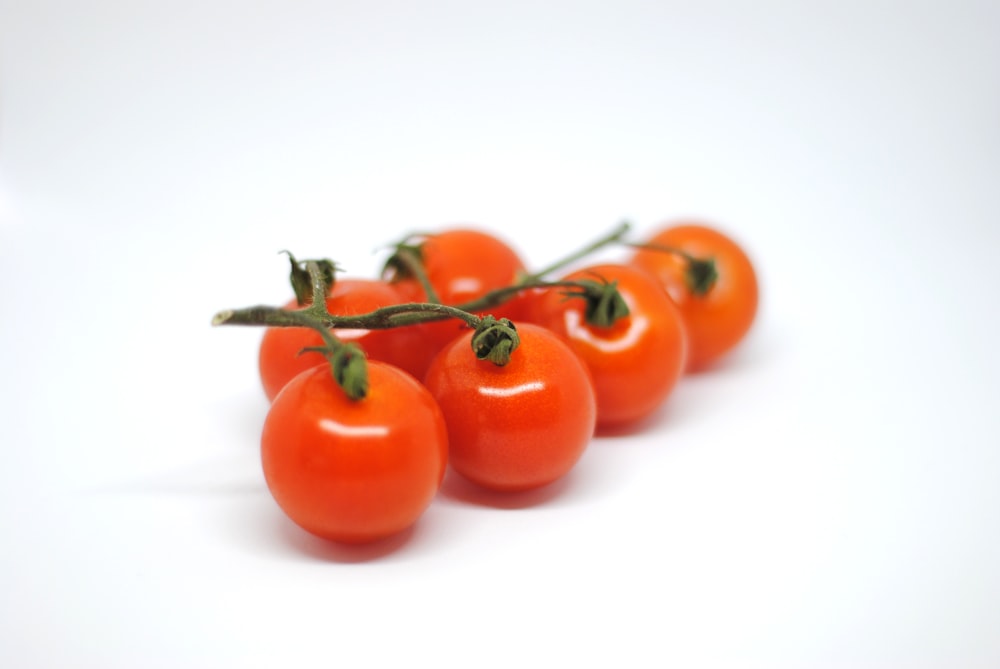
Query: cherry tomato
{"points": [[519, 426], [719, 319], [635, 362], [523, 307], [354, 470], [279, 359], [461, 264]]}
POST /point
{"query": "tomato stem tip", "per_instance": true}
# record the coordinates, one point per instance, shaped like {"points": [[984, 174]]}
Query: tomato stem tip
{"points": [[222, 317]]}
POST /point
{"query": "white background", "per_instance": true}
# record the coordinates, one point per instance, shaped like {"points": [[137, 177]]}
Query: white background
{"points": [[826, 498]]}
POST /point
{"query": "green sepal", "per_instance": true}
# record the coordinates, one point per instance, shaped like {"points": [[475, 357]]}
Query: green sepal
{"points": [[302, 282], [603, 303], [396, 267], [701, 275], [350, 370], [495, 340]]}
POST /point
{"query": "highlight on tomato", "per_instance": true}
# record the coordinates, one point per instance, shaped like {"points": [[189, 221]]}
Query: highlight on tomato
{"points": [[281, 356], [634, 345], [354, 470], [718, 312], [518, 426]]}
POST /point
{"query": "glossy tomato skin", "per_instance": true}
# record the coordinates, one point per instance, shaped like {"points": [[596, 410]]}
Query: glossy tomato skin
{"points": [[279, 359], [462, 264], [718, 320], [519, 426], [523, 307], [354, 471], [636, 362]]}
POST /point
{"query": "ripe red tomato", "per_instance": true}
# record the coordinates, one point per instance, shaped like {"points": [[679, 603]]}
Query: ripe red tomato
{"points": [[354, 470], [522, 307], [462, 265], [519, 426], [719, 319], [279, 359], [635, 362]]}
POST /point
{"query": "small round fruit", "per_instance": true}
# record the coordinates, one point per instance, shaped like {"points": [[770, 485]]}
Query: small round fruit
{"points": [[518, 426], [720, 318], [636, 361], [354, 471]]}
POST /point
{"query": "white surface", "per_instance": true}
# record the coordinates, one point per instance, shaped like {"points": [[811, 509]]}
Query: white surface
{"points": [[827, 499]]}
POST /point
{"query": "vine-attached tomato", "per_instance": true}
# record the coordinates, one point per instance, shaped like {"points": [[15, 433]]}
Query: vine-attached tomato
{"points": [[462, 264], [634, 362], [720, 318], [519, 426], [354, 470], [280, 357]]}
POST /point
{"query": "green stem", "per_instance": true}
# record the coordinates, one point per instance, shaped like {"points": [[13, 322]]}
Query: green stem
{"points": [[391, 316], [383, 318], [496, 297], [700, 274], [615, 236], [398, 315], [322, 280], [407, 257], [494, 339], [663, 248], [347, 361]]}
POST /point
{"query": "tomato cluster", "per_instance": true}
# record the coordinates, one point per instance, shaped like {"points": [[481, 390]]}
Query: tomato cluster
{"points": [[505, 384]]}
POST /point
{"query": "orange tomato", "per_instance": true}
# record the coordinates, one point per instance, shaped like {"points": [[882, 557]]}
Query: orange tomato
{"points": [[719, 319], [635, 362]]}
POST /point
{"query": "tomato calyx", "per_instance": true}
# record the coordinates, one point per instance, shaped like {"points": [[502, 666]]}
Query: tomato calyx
{"points": [[407, 261], [604, 305], [495, 340], [348, 366], [700, 274], [305, 283]]}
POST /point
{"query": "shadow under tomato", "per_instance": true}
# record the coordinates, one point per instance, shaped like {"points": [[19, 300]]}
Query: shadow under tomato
{"points": [[751, 353], [661, 419], [260, 527], [641, 426], [460, 489], [309, 545]]}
